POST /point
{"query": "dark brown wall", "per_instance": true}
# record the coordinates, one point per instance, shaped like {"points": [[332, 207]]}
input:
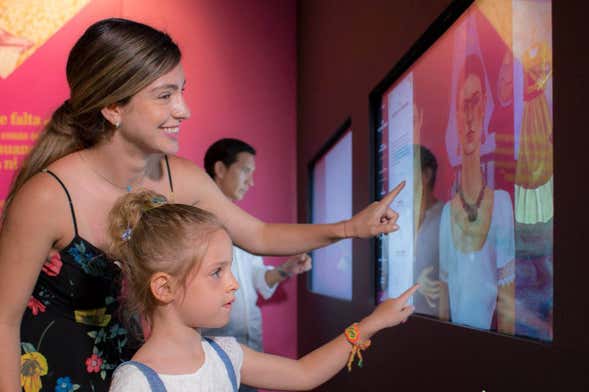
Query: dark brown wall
{"points": [[344, 49]]}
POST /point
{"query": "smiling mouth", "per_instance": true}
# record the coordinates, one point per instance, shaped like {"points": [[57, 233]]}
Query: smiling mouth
{"points": [[172, 131]]}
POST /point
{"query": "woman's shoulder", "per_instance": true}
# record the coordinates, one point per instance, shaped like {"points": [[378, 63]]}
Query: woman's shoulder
{"points": [[191, 183], [183, 166], [185, 172], [41, 191]]}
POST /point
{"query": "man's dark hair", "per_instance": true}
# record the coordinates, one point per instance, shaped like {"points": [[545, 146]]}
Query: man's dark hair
{"points": [[428, 160], [226, 151]]}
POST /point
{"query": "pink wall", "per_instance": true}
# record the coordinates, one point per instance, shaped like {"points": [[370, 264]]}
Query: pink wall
{"points": [[240, 64]]}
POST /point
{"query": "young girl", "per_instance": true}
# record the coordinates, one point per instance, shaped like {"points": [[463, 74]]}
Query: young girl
{"points": [[177, 267]]}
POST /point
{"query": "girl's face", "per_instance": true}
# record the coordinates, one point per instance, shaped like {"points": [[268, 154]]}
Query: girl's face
{"points": [[470, 114], [151, 120], [210, 287]]}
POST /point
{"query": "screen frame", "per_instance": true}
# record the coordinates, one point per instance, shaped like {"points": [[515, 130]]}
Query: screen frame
{"points": [[341, 131], [440, 25]]}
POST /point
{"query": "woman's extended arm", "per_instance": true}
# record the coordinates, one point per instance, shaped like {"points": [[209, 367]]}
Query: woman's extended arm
{"points": [[274, 372], [25, 240], [196, 187]]}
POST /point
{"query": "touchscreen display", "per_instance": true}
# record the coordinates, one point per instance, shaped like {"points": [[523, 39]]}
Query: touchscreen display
{"points": [[332, 202], [469, 127]]}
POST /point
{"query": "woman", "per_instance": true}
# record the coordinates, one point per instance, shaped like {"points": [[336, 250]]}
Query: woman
{"points": [[117, 132], [477, 266]]}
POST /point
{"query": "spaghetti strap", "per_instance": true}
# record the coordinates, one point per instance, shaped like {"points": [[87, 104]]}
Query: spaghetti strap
{"points": [[169, 175], [69, 199]]}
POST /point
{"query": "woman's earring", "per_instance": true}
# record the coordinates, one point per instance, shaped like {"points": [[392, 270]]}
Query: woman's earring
{"points": [[117, 124]]}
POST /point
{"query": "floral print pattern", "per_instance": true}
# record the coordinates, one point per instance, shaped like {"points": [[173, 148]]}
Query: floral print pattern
{"points": [[94, 264], [33, 365], [64, 384], [36, 306], [73, 317], [114, 337], [93, 363], [52, 266], [95, 317], [76, 292]]}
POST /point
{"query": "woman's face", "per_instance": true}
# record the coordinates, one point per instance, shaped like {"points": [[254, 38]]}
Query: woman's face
{"points": [[151, 120], [470, 114]]}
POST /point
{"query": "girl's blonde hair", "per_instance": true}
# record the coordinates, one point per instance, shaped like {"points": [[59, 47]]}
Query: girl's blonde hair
{"points": [[150, 235], [112, 61]]}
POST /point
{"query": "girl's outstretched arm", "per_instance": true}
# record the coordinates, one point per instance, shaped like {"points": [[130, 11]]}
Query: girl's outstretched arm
{"points": [[273, 372]]}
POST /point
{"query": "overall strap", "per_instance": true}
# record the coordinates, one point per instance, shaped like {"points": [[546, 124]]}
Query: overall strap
{"points": [[225, 358], [155, 382], [69, 199]]}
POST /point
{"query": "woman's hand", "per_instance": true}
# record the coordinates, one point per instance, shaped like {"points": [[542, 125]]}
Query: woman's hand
{"points": [[375, 219]]}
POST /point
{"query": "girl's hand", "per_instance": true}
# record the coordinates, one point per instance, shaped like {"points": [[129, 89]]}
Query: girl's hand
{"points": [[389, 313], [375, 219]]}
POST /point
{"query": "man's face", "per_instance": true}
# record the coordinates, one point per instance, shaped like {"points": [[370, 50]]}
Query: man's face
{"points": [[235, 180]]}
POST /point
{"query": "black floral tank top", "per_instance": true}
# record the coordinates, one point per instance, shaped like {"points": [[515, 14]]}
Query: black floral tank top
{"points": [[72, 337]]}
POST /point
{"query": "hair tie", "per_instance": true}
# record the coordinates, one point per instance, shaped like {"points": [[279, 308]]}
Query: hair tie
{"points": [[126, 236], [155, 202], [158, 200]]}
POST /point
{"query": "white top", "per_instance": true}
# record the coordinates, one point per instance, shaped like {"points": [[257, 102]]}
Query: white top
{"points": [[473, 278], [534, 205], [211, 377], [245, 323], [427, 255]]}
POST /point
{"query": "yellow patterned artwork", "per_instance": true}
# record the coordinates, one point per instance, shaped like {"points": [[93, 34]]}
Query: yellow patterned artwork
{"points": [[25, 25], [499, 14]]}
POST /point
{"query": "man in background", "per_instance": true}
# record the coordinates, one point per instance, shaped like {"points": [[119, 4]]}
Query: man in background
{"points": [[231, 164]]}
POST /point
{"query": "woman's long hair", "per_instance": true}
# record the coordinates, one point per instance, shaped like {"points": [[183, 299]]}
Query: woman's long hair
{"points": [[112, 61]]}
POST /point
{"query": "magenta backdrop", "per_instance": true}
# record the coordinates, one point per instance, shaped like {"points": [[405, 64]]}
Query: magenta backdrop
{"points": [[240, 65]]}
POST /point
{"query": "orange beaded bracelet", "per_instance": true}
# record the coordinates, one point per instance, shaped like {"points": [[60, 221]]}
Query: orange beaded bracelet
{"points": [[352, 334]]}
